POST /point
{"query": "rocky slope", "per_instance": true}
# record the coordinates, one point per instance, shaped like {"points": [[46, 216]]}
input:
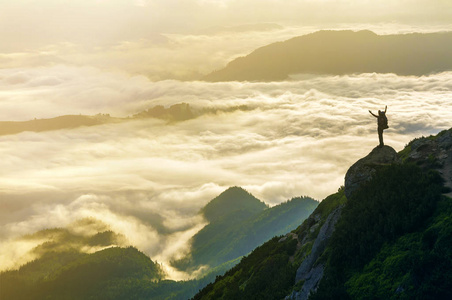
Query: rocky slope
{"points": [[311, 270], [432, 152], [363, 170], [388, 238]]}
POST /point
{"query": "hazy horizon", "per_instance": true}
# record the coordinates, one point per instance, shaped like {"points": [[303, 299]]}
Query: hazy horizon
{"points": [[147, 179]]}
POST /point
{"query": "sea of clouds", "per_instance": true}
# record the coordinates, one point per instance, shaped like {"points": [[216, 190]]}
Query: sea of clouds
{"points": [[148, 178]]}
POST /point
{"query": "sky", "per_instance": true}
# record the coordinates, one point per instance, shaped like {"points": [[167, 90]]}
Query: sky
{"points": [[147, 179], [185, 39]]}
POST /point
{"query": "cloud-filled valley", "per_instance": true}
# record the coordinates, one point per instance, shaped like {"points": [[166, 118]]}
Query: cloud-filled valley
{"points": [[147, 178]]}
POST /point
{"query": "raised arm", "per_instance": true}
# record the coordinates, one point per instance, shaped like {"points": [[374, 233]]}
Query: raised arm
{"points": [[373, 114], [386, 108]]}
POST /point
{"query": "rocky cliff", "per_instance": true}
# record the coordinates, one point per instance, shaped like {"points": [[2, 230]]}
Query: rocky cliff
{"points": [[363, 170], [310, 272]]}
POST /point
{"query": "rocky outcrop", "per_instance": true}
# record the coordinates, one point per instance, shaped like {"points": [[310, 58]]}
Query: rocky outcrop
{"points": [[434, 152], [363, 170], [310, 271]]}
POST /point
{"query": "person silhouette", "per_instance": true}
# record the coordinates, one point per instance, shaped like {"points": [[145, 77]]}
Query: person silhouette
{"points": [[382, 122]]}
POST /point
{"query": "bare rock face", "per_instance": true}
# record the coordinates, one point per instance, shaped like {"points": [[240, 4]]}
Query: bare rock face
{"points": [[311, 272], [363, 170]]}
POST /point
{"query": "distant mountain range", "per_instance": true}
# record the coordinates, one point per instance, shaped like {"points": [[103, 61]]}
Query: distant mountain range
{"points": [[61, 122], [174, 113], [343, 52]]}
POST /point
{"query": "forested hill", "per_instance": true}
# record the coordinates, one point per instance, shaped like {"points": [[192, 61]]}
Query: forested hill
{"points": [[62, 269], [238, 223], [343, 52], [391, 238]]}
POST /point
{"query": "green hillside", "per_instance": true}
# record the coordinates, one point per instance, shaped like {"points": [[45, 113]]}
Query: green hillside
{"points": [[234, 200], [399, 202], [269, 271], [113, 273], [390, 240], [239, 222], [63, 270], [106, 274]]}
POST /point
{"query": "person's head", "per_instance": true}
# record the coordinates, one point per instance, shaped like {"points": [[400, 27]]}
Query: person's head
{"points": [[380, 112]]}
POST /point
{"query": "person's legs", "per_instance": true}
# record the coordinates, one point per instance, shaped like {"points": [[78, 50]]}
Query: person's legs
{"points": [[380, 136]]}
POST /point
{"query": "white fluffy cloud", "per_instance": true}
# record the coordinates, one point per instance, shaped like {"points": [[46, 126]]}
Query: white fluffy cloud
{"points": [[148, 179]]}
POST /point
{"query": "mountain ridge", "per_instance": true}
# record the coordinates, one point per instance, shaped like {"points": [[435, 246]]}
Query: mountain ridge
{"points": [[232, 200], [342, 52], [238, 223], [174, 113]]}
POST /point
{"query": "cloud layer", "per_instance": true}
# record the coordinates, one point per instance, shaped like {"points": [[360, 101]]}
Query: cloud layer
{"points": [[147, 179]]}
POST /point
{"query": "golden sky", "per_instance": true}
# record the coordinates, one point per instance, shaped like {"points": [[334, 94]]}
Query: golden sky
{"points": [[184, 39], [296, 137]]}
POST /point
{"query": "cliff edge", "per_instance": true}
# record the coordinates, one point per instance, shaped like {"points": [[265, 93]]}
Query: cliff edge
{"points": [[363, 170]]}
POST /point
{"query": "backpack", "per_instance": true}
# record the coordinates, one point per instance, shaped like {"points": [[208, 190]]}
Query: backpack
{"points": [[383, 121]]}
